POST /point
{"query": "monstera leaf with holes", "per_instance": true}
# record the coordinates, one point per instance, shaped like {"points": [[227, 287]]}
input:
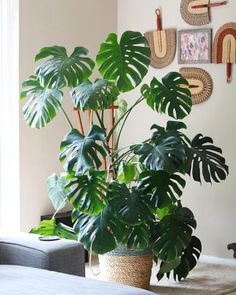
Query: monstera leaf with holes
{"points": [[165, 189], [130, 206], [42, 104], [137, 237], [184, 264], [167, 154], [99, 95], [125, 62], [59, 70], [205, 160], [170, 97], [174, 234], [87, 193], [51, 228], [80, 153], [100, 233]]}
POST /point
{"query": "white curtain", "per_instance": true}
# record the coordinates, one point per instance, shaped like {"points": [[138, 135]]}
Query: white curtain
{"points": [[9, 116]]}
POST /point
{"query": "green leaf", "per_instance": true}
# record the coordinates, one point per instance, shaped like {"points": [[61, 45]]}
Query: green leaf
{"points": [[80, 153], [125, 63], [122, 109], [173, 234], [87, 192], [188, 261], [165, 189], [60, 70], [99, 95], [56, 190], [42, 104], [168, 266], [168, 96], [50, 228], [167, 154], [100, 233], [130, 206], [205, 160], [128, 173], [137, 237]]}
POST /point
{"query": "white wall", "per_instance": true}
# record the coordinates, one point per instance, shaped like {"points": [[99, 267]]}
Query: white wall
{"points": [[214, 206], [68, 23]]}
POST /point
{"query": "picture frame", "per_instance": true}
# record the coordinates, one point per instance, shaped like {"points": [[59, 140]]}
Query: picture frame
{"points": [[194, 46]]}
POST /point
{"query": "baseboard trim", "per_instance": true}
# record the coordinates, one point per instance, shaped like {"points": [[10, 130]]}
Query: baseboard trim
{"points": [[218, 260]]}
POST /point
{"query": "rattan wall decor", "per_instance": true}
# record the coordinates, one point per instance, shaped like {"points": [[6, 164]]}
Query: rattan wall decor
{"points": [[200, 83], [224, 47], [197, 12], [162, 44]]}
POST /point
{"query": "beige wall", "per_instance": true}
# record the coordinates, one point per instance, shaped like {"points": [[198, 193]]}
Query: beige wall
{"points": [[68, 23], [214, 206]]}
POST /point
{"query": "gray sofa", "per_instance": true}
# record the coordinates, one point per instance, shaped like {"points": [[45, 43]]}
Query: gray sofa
{"points": [[32, 267]]}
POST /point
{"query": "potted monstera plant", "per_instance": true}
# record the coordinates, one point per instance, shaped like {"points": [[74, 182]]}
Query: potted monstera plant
{"points": [[132, 202]]}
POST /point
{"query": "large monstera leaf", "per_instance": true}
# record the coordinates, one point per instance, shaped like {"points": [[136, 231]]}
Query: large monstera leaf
{"points": [[130, 206], [185, 264], [165, 189], [99, 95], [100, 233], [174, 234], [137, 237], [87, 193], [51, 228], [42, 104], [60, 70], [56, 190], [167, 154], [171, 96], [80, 153], [125, 63], [205, 160]]}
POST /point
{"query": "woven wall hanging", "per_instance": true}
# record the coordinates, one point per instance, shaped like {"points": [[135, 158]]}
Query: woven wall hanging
{"points": [[162, 44], [200, 83], [224, 47], [197, 12]]}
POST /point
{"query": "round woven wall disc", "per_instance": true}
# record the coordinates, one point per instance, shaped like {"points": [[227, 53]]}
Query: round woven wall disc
{"points": [[200, 83], [195, 16]]}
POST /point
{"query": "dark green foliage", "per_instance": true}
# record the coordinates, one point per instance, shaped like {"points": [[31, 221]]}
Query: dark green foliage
{"points": [[100, 95], [60, 70], [125, 63], [87, 193], [80, 153], [169, 96], [42, 104]]}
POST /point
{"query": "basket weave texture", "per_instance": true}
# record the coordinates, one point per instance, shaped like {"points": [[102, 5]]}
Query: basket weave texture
{"points": [[125, 269]]}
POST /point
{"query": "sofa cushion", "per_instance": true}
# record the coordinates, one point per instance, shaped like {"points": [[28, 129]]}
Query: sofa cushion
{"points": [[31, 281], [27, 250]]}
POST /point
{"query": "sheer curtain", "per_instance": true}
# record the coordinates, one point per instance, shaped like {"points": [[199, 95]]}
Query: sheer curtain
{"points": [[9, 116]]}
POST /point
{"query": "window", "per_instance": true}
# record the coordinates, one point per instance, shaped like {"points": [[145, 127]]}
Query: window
{"points": [[9, 116]]}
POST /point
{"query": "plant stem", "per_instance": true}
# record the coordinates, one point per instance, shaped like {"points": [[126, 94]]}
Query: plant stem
{"points": [[67, 118], [123, 116]]}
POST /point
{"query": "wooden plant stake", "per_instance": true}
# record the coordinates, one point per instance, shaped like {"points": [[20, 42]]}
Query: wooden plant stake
{"points": [[162, 44], [224, 47], [197, 12]]}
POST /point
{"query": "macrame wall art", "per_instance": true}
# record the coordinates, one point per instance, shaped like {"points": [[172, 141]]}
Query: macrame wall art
{"points": [[224, 47], [197, 12], [162, 44], [200, 83]]}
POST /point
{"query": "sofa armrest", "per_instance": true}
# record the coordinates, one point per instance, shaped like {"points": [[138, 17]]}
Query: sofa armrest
{"points": [[27, 250]]}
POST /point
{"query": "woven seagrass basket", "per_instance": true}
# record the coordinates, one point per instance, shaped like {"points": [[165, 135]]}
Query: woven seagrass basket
{"points": [[127, 267]]}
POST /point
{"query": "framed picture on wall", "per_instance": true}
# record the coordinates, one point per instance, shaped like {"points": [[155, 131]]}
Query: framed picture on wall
{"points": [[194, 46]]}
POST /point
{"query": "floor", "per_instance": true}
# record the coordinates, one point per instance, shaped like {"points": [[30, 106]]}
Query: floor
{"points": [[205, 279]]}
